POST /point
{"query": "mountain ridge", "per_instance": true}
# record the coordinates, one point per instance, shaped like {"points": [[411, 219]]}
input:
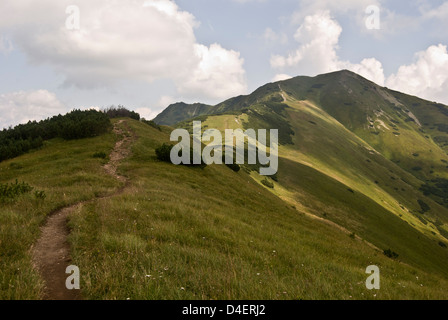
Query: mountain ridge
{"points": [[360, 183], [390, 147]]}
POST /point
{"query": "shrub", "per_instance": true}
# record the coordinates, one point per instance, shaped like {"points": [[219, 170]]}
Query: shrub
{"points": [[424, 206], [267, 183], [391, 254], [101, 155], [9, 192], [121, 112], [235, 167], [74, 125], [163, 152]]}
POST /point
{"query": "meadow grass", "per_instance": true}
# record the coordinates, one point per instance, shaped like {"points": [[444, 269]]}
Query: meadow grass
{"points": [[187, 233], [68, 173], [184, 233]]}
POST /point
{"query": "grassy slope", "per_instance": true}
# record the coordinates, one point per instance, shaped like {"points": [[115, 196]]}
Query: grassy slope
{"points": [[381, 118], [68, 173], [327, 160], [187, 233]]}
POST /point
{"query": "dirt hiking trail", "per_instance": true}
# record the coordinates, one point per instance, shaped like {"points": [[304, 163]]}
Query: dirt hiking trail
{"points": [[51, 252]]}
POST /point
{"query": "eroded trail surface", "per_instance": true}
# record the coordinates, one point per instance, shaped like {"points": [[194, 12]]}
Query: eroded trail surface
{"points": [[51, 253]]}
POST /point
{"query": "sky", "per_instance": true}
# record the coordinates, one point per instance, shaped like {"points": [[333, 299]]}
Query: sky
{"points": [[60, 55]]}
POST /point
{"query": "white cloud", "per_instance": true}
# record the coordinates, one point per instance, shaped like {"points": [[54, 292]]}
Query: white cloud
{"points": [[22, 106], [147, 113], [318, 37], [369, 68], [165, 101], [281, 77], [272, 37], [121, 40], [219, 74], [427, 77], [391, 22], [355, 7], [440, 12]]}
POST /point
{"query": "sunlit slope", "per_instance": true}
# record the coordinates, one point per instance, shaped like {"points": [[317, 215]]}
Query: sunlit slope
{"points": [[330, 172], [407, 130], [189, 233], [381, 193], [323, 143], [387, 145], [410, 131]]}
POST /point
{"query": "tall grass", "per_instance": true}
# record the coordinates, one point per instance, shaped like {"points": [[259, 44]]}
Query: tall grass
{"points": [[63, 173], [186, 233]]}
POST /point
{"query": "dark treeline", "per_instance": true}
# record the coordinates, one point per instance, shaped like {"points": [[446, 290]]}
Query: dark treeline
{"points": [[74, 125], [121, 112]]}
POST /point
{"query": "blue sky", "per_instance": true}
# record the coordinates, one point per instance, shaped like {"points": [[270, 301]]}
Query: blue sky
{"points": [[148, 54]]}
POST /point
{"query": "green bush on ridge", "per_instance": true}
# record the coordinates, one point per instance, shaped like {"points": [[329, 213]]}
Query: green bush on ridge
{"points": [[74, 125], [121, 112], [163, 153]]}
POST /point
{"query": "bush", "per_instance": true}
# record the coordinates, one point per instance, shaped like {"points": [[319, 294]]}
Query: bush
{"points": [[74, 125], [163, 152], [391, 254], [9, 192], [235, 167], [267, 183], [424, 206], [121, 112], [83, 124], [101, 155]]}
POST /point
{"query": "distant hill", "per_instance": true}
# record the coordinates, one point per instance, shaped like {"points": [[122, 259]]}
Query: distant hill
{"points": [[368, 158], [180, 111]]}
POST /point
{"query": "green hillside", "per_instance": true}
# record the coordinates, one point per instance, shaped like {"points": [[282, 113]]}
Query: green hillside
{"points": [[347, 195], [375, 159]]}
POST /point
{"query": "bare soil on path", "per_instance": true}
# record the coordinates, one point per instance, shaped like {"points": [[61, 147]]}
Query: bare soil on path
{"points": [[51, 252]]}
